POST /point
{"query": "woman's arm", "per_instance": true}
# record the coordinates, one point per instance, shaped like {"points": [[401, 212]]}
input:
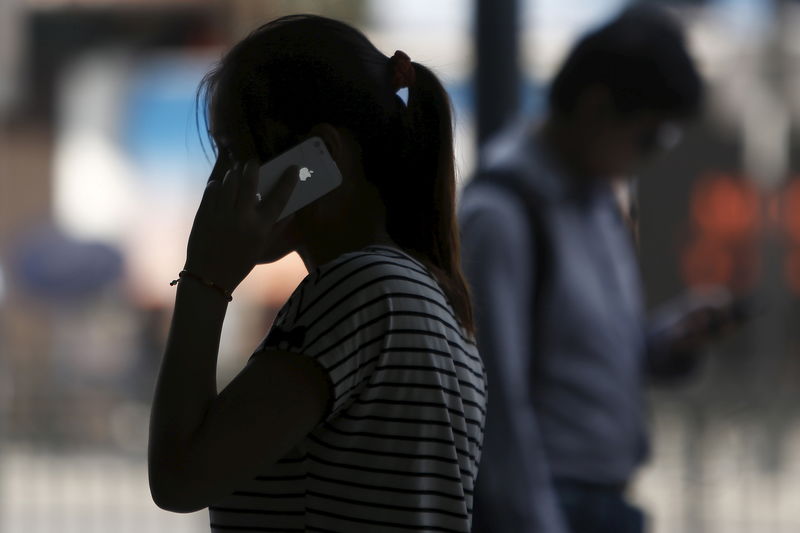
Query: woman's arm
{"points": [[203, 443]]}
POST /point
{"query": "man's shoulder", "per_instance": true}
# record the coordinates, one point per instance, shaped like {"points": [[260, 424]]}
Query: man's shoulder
{"points": [[515, 160], [510, 155], [492, 203]]}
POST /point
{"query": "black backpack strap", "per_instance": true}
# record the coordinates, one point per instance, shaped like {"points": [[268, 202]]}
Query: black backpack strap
{"points": [[541, 242], [512, 182]]}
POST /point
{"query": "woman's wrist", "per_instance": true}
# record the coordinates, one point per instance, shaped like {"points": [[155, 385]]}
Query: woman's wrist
{"points": [[193, 276], [201, 292]]}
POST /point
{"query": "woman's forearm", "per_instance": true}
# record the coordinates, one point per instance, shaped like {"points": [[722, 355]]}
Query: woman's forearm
{"points": [[186, 383]]}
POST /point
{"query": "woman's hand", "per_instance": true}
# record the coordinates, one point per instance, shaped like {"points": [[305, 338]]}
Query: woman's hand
{"points": [[231, 225], [203, 445]]}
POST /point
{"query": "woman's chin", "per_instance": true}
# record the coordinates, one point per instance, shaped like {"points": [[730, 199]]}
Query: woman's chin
{"points": [[282, 241]]}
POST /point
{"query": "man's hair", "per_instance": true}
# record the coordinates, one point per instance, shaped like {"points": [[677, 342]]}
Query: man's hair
{"points": [[640, 57]]}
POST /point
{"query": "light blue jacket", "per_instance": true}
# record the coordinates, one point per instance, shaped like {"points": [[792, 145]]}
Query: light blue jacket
{"points": [[566, 387]]}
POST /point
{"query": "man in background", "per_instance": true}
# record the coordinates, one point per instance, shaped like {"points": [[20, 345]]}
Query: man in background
{"points": [[560, 314]]}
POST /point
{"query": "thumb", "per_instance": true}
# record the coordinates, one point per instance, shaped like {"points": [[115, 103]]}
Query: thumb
{"points": [[275, 198]]}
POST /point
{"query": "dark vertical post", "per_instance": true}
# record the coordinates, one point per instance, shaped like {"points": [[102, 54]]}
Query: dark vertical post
{"points": [[497, 77]]}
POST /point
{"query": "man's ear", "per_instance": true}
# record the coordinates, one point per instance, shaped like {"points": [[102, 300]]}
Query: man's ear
{"points": [[332, 138]]}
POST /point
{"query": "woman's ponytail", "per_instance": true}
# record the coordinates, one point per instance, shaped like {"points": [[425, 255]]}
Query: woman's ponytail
{"points": [[422, 208]]}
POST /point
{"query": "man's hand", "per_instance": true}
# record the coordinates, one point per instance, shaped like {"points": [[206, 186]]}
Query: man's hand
{"points": [[707, 315]]}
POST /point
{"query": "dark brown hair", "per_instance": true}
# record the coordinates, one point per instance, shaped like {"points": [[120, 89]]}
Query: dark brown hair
{"points": [[303, 70]]}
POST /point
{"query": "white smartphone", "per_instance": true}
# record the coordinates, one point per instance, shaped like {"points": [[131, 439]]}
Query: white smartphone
{"points": [[317, 174]]}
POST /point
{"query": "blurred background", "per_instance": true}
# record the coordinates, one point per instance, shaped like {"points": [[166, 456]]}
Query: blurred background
{"points": [[102, 164]]}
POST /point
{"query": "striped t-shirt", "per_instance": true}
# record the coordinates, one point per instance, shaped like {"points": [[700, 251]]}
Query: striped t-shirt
{"points": [[400, 445]]}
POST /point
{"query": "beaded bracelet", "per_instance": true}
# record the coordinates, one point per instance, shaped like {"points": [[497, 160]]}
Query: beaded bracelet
{"points": [[207, 282]]}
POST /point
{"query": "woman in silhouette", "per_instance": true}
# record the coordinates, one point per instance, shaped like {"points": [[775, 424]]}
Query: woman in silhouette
{"points": [[363, 408]]}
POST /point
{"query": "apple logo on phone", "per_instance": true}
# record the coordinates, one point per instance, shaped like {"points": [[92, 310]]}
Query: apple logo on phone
{"points": [[305, 173]]}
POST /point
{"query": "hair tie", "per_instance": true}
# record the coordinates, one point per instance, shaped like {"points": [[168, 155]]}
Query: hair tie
{"points": [[403, 73]]}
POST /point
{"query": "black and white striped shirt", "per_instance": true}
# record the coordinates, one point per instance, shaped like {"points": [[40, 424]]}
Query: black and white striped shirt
{"points": [[399, 448]]}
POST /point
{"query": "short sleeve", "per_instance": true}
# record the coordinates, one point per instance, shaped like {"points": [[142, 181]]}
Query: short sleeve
{"points": [[346, 314]]}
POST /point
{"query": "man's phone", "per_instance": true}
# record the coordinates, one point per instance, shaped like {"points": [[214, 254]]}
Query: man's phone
{"points": [[317, 174]]}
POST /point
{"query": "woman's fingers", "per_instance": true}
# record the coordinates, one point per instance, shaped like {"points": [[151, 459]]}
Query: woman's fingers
{"points": [[229, 188], [237, 192], [248, 187], [210, 196], [221, 166]]}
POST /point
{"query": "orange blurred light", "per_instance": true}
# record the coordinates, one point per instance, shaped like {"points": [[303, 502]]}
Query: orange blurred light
{"points": [[706, 261], [774, 210], [725, 207]]}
